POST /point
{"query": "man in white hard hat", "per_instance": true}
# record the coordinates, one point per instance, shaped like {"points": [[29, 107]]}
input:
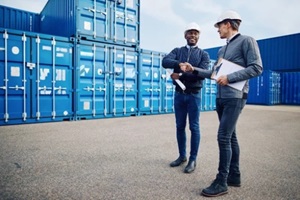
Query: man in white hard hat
{"points": [[242, 50], [187, 101]]}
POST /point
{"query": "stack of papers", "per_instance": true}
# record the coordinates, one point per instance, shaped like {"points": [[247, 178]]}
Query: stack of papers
{"points": [[225, 67]]}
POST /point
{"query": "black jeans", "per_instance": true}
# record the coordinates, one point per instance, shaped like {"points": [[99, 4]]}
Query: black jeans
{"points": [[229, 152]]}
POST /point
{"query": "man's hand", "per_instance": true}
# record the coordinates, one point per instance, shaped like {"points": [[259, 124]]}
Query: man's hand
{"points": [[186, 67], [222, 80], [175, 76]]}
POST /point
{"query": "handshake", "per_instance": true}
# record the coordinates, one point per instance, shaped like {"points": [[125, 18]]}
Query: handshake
{"points": [[186, 67]]}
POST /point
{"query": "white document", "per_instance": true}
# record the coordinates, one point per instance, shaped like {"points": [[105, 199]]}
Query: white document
{"points": [[225, 67]]}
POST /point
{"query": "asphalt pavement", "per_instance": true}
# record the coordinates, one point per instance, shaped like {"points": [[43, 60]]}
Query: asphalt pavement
{"points": [[128, 158]]}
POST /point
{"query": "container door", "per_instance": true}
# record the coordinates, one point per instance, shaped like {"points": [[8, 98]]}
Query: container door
{"points": [[168, 91], [93, 75], [150, 83], [14, 77], [265, 89], [125, 22], [52, 86], [93, 19], [124, 81], [290, 91], [208, 95]]}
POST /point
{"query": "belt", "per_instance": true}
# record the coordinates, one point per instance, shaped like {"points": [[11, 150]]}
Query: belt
{"points": [[188, 91]]}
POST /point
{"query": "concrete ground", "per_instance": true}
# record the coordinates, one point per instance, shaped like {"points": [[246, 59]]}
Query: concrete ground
{"points": [[128, 158]]}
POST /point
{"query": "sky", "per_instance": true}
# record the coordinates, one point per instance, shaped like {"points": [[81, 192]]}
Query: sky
{"points": [[162, 22]]}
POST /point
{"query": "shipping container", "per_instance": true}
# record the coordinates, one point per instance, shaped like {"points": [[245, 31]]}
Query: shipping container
{"points": [[36, 78], [155, 86], [105, 80], [280, 53], [116, 22], [265, 89], [12, 18], [290, 88]]}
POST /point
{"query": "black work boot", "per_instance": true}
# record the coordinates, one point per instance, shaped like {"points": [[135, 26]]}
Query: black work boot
{"points": [[234, 180], [217, 188], [178, 162]]}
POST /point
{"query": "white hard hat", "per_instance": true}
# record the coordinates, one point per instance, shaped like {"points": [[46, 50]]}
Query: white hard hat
{"points": [[192, 26], [229, 14]]}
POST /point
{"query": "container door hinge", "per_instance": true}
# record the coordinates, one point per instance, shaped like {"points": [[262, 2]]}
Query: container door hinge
{"points": [[30, 65], [117, 1], [24, 115]]}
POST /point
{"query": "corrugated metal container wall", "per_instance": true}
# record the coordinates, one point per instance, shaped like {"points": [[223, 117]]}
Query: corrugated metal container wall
{"points": [[209, 92], [290, 88], [281, 53], [208, 95], [168, 92], [37, 78], [106, 80], [116, 22], [154, 96], [265, 89], [12, 18], [213, 52]]}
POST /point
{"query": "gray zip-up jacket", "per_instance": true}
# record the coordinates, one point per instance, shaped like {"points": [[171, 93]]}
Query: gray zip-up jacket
{"points": [[242, 50]]}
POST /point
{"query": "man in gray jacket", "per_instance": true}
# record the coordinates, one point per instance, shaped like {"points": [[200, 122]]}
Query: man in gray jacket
{"points": [[242, 50]]}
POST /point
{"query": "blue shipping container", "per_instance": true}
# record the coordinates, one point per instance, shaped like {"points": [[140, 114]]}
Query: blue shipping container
{"points": [[106, 80], [265, 89], [12, 18], [36, 78], [115, 22], [280, 53], [290, 88], [155, 87]]}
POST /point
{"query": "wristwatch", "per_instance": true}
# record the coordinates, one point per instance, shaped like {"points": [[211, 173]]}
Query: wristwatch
{"points": [[180, 74]]}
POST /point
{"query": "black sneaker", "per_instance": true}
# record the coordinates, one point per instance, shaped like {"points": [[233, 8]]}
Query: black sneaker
{"points": [[217, 188], [234, 180]]}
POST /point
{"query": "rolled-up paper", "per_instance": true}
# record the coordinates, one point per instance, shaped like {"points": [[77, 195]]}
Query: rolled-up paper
{"points": [[181, 85]]}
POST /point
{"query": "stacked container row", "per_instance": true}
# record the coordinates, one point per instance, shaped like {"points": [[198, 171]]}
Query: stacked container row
{"points": [[43, 80]]}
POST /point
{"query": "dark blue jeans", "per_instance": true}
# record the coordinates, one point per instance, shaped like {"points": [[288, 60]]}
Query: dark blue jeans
{"points": [[187, 105], [229, 152]]}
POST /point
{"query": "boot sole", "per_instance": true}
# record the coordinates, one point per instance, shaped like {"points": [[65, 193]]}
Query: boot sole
{"points": [[234, 185], [179, 164], [214, 195]]}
